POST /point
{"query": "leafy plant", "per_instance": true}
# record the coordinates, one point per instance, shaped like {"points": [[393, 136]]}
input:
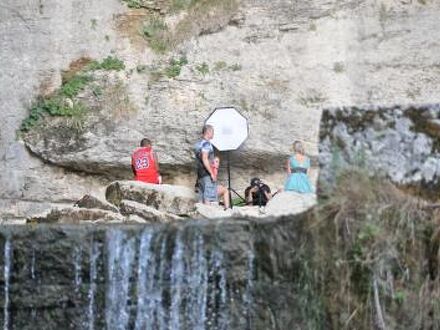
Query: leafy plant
{"points": [[56, 107], [134, 3], [108, 64], [338, 67], [73, 86], [375, 255], [155, 30], [203, 68], [235, 67], [220, 65], [175, 67]]}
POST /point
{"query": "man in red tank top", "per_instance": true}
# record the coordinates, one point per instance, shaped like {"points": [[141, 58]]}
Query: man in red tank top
{"points": [[145, 164]]}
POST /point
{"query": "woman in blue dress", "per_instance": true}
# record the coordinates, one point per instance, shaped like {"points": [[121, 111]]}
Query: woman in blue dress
{"points": [[298, 167]]}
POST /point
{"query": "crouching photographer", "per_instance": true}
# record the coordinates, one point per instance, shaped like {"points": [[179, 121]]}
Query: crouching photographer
{"points": [[258, 193]]}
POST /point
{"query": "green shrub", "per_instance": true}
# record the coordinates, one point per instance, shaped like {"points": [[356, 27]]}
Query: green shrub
{"points": [[175, 67], [220, 65], [375, 255], [203, 68], [134, 3], [54, 106], [235, 67], [155, 31], [72, 87], [108, 64]]}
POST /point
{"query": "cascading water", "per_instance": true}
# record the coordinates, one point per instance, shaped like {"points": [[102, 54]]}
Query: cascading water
{"points": [[7, 274], [193, 276]]}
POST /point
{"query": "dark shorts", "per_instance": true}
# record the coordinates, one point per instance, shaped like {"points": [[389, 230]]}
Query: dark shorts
{"points": [[207, 189]]}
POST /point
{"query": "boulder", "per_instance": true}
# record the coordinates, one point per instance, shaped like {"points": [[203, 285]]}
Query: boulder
{"points": [[92, 202], [212, 211], [74, 215], [288, 203], [147, 213], [166, 198]]}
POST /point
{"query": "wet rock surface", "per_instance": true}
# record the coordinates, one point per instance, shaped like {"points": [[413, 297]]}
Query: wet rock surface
{"points": [[227, 275]]}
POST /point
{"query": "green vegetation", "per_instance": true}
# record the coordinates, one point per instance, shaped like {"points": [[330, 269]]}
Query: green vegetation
{"points": [[237, 201], [134, 3], [141, 68], [376, 257], [220, 65], [202, 16], [93, 23], [203, 68], [108, 64], [155, 31], [235, 67], [62, 103], [53, 107], [77, 83], [338, 67], [175, 67]]}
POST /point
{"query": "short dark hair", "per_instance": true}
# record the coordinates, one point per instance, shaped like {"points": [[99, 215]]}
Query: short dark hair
{"points": [[255, 181], [206, 128], [145, 142]]}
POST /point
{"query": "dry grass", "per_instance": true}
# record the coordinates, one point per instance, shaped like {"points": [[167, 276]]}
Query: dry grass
{"points": [[376, 256], [116, 102], [201, 17]]}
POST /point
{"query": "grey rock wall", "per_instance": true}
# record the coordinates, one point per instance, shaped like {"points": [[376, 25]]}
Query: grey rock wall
{"points": [[401, 143], [280, 62]]}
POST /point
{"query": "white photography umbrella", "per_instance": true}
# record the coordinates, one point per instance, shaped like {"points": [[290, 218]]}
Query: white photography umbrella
{"points": [[231, 129]]}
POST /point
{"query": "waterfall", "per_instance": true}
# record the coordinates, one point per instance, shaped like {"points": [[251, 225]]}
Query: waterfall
{"points": [[33, 264], [7, 275], [145, 274], [77, 258], [180, 277], [94, 255], [121, 255], [177, 280]]}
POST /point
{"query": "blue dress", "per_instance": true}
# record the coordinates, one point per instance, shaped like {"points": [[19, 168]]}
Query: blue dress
{"points": [[298, 180]]}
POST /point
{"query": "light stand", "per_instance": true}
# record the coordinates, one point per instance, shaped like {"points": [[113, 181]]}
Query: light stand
{"points": [[230, 189]]}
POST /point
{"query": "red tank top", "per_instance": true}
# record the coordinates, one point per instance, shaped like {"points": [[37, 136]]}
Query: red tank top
{"points": [[144, 165]]}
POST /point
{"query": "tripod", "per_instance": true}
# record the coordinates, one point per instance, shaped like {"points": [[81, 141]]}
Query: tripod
{"points": [[230, 189]]}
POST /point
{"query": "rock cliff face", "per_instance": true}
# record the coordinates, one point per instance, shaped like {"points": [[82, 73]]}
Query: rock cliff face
{"points": [[401, 143], [280, 62]]}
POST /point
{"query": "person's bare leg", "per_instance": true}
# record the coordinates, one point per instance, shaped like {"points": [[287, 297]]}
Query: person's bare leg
{"points": [[224, 193], [226, 198]]}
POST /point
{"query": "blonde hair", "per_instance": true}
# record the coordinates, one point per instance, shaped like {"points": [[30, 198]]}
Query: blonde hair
{"points": [[298, 147]]}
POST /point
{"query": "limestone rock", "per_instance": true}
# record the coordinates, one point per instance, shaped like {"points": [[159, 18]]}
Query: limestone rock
{"points": [[147, 213], [399, 142], [289, 203], [212, 211], [74, 215], [92, 202], [167, 198], [135, 219], [280, 62]]}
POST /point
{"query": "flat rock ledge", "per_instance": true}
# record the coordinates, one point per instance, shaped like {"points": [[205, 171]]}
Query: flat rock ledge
{"points": [[177, 200], [137, 202], [282, 204]]}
